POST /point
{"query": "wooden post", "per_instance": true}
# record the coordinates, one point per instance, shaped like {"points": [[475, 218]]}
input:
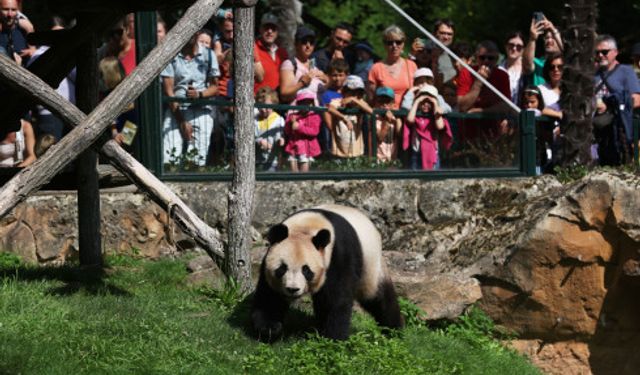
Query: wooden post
{"points": [[238, 259], [89, 239]]}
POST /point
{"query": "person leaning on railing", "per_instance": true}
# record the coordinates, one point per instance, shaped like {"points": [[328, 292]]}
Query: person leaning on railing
{"points": [[301, 129], [388, 126]]}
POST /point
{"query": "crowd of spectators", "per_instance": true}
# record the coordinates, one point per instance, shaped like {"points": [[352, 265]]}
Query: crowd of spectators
{"points": [[345, 84]]}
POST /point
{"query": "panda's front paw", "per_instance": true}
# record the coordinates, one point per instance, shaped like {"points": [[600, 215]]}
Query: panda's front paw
{"points": [[267, 330]]}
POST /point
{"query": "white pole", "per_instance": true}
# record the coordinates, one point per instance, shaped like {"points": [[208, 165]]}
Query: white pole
{"points": [[450, 53]]}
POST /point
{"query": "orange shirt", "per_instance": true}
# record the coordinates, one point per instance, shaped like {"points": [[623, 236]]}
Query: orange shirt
{"points": [[379, 76]]}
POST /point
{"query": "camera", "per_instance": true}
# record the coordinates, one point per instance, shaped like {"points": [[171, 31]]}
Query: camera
{"points": [[538, 16]]}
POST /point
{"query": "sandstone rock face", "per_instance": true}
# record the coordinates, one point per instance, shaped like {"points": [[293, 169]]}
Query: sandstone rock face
{"points": [[559, 265]]}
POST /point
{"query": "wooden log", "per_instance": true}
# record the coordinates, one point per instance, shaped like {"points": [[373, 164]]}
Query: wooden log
{"points": [[242, 191], [89, 236], [90, 127]]}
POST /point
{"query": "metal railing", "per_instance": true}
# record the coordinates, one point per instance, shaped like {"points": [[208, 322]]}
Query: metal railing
{"points": [[522, 160]]}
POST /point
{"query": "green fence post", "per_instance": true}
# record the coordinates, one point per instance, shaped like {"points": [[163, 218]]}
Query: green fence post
{"points": [[149, 104], [636, 154], [527, 121]]}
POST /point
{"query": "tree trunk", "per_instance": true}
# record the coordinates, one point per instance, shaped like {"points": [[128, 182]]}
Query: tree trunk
{"points": [[289, 13], [89, 240], [238, 265], [577, 82]]}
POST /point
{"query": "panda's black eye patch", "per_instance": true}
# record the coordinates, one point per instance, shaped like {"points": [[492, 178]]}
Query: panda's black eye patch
{"points": [[280, 271], [308, 274]]}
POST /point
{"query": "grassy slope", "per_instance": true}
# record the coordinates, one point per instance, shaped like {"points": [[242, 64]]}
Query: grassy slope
{"points": [[141, 318]]}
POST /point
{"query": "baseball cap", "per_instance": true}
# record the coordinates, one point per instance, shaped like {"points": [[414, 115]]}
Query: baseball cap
{"points": [[423, 72], [385, 91], [635, 50], [304, 32], [429, 90], [354, 82], [365, 46], [269, 19], [305, 95]]}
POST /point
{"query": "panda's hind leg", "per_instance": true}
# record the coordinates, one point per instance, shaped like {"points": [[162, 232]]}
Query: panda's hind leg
{"points": [[384, 306]]}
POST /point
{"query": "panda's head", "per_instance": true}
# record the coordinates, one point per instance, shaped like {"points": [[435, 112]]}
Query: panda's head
{"points": [[294, 264]]}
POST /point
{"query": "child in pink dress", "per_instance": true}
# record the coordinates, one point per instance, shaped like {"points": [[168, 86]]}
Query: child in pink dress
{"points": [[301, 129]]}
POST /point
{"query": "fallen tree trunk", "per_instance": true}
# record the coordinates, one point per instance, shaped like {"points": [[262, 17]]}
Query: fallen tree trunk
{"points": [[89, 128]]}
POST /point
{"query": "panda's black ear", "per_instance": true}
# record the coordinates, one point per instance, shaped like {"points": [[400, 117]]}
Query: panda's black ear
{"points": [[321, 240], [277, 233]]}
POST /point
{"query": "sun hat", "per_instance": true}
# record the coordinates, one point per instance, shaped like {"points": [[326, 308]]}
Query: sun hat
{"points": [[428, 90], [365, 46]]}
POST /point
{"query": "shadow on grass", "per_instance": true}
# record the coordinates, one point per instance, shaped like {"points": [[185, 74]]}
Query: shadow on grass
{"points": [[297, 323], [90, 280]]}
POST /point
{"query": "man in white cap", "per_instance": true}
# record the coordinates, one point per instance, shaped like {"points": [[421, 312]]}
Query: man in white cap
{"points": [[422, 77], [268, 56]]}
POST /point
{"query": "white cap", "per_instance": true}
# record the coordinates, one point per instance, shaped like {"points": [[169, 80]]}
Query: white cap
{"points": [[429, 90], [423, 72], [354, 82]]}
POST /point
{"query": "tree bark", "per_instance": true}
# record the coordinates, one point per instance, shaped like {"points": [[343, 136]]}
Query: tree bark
{"points": [[577, 82], [238, 264], [90, 128], [89, 237], [289, 13]]}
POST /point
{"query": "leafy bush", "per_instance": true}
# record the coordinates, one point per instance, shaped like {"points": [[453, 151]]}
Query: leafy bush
{"points": [[9, 260]]}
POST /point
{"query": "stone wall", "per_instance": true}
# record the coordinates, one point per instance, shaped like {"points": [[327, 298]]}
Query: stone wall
{"points": [[559, 265]]}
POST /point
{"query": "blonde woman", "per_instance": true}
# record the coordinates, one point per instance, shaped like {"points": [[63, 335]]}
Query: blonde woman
{"points": [[393, 71]]}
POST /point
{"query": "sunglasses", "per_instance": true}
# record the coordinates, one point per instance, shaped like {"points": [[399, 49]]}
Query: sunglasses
{"points": [[517, 47], [307, 41], [270, 26], [394, 42], [487, 57], [557, 66], [603, 52]]}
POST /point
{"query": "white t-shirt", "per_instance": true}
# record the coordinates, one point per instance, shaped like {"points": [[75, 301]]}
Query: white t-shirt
{"points": [[550, 97]]}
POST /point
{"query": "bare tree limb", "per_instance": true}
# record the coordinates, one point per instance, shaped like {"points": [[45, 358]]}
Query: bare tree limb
{"points": [[90, 128]]}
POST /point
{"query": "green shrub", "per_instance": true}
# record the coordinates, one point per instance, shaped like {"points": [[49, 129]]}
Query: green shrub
{"points": [[9, 261]]}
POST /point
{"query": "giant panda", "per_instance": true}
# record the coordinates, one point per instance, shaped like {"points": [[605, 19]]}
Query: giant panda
{"points": [[333, 253]]}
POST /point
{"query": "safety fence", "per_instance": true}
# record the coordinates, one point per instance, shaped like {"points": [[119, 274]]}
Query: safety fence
{"points": [[481, 145]]}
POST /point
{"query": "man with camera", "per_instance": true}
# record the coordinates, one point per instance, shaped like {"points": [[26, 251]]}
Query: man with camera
{"points": [[617, 93], [531, 64]]}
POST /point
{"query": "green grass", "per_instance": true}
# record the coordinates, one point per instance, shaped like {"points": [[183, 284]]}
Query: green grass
{"points": [[140, 317]]}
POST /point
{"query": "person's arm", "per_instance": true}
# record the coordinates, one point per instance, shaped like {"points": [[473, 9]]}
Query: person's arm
{"points": [[212, 90], [411, 116], [217, 49], [29, 144], [529, 52], [552, 113], [465, 102], [437, 112], [363, 105], [309, 125], [289, 86], [186, 129], [636, 100], [258, 71]]}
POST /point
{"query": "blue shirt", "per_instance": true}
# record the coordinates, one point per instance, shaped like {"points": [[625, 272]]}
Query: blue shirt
{"points": [[18, 40], [196, 72], [623, 78], [328, 96]]}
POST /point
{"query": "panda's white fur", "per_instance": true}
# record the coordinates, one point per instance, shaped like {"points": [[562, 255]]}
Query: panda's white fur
{"points": [[303, 259]]}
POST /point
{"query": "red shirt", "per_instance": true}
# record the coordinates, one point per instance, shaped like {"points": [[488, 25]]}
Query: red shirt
{"points": [[128, 61], [499, 78], [270, 64]]}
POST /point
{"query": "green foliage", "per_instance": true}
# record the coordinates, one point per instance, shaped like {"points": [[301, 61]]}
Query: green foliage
{"points": [[413, 315], [141, 317], [227, 297], [363, 352], [9, 261], [570, 174]]}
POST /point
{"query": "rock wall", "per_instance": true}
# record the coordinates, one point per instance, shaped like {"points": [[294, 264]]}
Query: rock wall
{"points": [[559, 265]]}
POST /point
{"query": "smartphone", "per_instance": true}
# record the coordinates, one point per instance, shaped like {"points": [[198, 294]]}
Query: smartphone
{"points": [[538, 16]]}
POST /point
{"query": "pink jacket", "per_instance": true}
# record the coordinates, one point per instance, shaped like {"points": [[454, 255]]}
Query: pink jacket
{"points": [[428, 133], [304, 139]]}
